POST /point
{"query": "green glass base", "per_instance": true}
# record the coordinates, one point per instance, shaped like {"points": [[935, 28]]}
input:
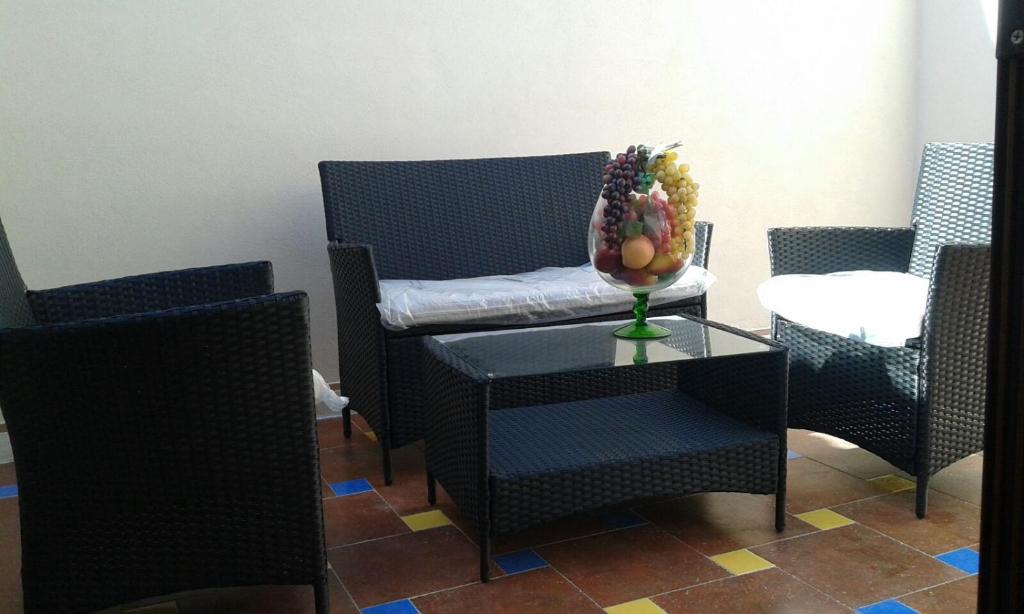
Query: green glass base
{"points": [[646, 330]]}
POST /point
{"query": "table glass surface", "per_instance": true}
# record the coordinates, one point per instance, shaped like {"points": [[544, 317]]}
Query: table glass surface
{"points": [[583, 347]]}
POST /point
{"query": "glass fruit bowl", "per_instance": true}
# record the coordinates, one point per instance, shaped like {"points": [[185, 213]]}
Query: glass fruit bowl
{"points": [[642, 231]]}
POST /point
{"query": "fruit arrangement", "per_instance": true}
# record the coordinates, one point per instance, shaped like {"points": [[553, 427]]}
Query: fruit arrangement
{"points": [[642, 231]]}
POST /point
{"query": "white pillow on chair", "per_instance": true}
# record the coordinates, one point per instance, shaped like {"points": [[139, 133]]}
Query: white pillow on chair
{"points": [[877, 307]]}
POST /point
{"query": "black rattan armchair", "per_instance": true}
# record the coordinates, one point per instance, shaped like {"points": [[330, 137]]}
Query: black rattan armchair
{"points": [[447, 219], [919, 407], [164, 434]]}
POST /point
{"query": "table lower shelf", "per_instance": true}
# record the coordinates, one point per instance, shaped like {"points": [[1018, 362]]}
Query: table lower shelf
{"points": [[549, 461]]}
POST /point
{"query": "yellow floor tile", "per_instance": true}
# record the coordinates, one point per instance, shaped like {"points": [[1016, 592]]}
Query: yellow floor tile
{"points": [[370, 435], [893, 483], [640, 606], [739, 562], [824, 519], [426, 520]]}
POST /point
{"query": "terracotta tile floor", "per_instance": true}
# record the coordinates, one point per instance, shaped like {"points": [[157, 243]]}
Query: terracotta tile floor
{"points": [[390, 552]]}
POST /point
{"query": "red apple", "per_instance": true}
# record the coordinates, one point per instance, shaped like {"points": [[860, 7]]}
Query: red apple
{"points": [[607, 260], [636, 277]]}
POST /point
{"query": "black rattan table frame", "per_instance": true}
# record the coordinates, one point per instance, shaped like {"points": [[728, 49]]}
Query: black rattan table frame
{"points": [[674, 427]]}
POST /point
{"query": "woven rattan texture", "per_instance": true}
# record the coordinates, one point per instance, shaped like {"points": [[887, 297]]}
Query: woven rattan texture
{"points": [[461, 402], [446, 219], [581, 385], [152, 292], [466, 208], [456, 437], [955, 356], [755, 402], [821, 250], [702, 239], [529, 441], [559, 459], [920, 407], [953, 203], [862, 393], [362, 354], [406, 386], [378, 366], [14, 308], [188, 458]]}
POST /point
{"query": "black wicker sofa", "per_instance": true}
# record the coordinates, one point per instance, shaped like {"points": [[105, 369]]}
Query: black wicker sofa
{"points": [[447, 219]]}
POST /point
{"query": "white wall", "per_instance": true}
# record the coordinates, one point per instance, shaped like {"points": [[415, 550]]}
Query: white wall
{"points": [[956, 71], [140, 136]]}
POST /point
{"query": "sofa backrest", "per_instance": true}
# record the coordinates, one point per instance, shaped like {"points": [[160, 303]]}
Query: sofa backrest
{"points": [[445, 219], [953, 203]]}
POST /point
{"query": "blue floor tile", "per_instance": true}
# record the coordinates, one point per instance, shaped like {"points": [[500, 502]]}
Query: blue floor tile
{"points": [[622, 520], [8, 491], [887, 607], [518, 562], [395, 607], [791, 455], [964, 559], [351, 487]]}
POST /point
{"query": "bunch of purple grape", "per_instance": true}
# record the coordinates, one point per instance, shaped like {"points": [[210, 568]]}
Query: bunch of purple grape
{"points": [[621, 174]]}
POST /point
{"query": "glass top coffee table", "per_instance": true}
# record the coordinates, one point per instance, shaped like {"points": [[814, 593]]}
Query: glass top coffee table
{"points": [[528, 425]]}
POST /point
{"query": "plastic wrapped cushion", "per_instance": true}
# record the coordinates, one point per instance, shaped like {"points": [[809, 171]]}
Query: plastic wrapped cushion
{"points": [[548, 295], [877, 307]]}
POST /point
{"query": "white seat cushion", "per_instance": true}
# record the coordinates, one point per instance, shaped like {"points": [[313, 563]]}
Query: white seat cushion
{"points": [[877, 307], [548, 295]]}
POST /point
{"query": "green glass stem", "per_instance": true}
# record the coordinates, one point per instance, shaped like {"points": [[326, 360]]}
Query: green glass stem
{"points": [[640, 355], [640, 329], [640, 309]]}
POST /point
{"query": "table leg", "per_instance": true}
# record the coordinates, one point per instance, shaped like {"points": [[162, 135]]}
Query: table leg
{"points": [[780, 492]]}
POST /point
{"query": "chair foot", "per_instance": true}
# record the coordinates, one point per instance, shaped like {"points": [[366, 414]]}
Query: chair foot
{"points": [[346, 421], [485, 556], [321, 599], [922, 496], [780, 512], [431, 489]]}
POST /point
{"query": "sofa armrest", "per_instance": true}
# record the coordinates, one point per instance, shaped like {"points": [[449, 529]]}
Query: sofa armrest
{"points": [[152, 292], [955, 354], [361, 343], [821, 250]]}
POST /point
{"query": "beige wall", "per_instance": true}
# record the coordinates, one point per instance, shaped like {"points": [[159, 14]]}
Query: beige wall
{"points": [[139, 136], [956, 70]]}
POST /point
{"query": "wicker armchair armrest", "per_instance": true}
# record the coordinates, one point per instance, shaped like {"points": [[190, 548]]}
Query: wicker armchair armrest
{"points": [[362, 366], [955, 354], [820, 250], [152, 292], [189, 417]]}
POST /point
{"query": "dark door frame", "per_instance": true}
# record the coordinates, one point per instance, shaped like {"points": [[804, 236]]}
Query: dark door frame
{"points": [[1001, 581]]}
